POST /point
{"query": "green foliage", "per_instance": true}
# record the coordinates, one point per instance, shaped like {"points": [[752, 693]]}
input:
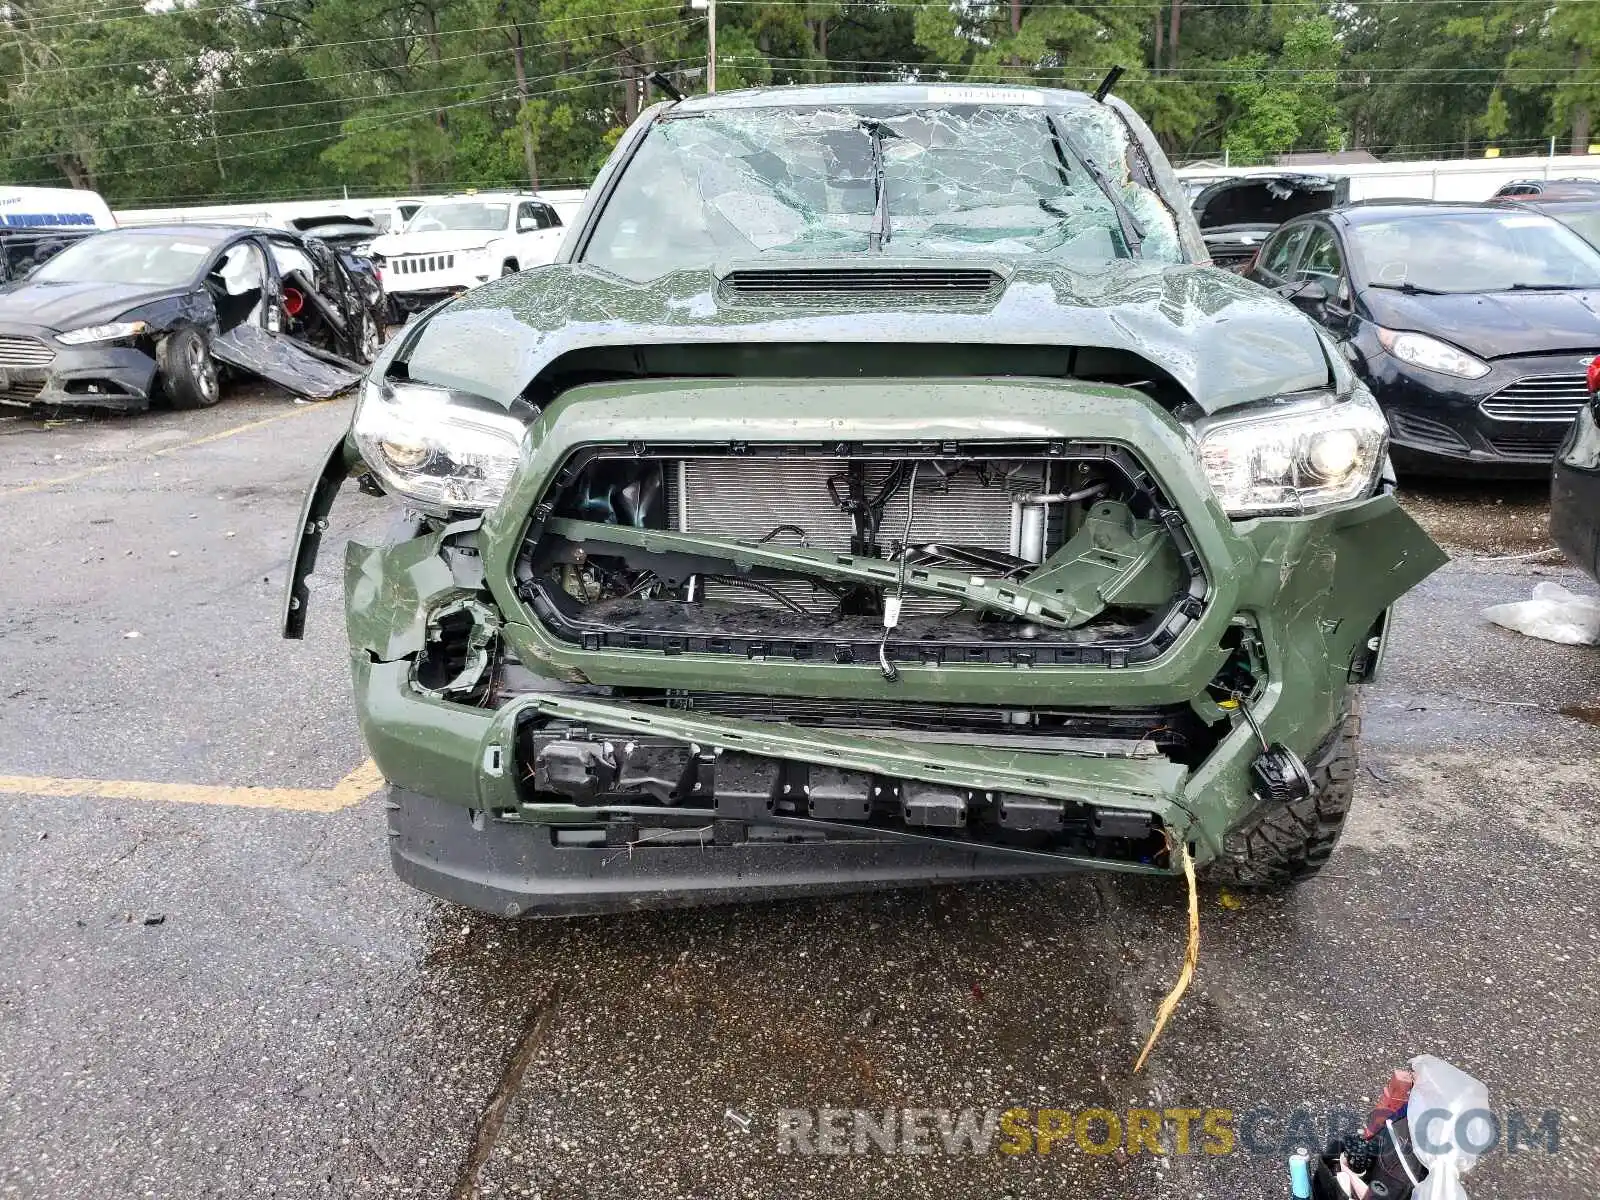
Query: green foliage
{"points": [[193, 100], [1288, 103]]}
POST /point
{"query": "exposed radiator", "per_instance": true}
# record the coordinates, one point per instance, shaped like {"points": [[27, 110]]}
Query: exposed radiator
{"points": [[752, 497]]}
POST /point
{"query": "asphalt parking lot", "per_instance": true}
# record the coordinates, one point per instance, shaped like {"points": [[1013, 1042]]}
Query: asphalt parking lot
{"points": [[215, 987]]}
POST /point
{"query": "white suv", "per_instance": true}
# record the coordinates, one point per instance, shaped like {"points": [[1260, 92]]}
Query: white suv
{"points": [[458, 242]]}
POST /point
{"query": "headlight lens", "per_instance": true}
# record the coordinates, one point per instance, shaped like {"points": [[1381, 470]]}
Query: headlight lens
{"points": [[1296, 458], [1420, 350], [445, 451], [114, 332]]}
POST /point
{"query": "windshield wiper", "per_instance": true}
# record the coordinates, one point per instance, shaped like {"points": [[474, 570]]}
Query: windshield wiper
{"points": [[1132, 232], [878, 236], [1546, 287], [1409, 289]]}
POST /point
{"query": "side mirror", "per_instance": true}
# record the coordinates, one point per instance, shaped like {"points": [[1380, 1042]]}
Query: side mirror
{"points": [[526, 224], [1308, 295]]}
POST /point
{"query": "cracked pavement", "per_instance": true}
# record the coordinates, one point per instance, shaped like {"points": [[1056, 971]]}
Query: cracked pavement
{"points": [[205, 999]]}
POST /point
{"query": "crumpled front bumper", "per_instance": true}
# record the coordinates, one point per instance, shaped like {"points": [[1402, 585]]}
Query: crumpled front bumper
{"points": [[462, 823], [97, 375]]}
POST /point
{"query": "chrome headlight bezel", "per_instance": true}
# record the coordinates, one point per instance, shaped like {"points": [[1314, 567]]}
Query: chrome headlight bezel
{"points": [[1296, 455], [444, 451]]}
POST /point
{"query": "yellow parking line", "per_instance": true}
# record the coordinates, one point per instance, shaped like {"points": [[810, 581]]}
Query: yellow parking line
{"points": [[352, 789], [22, 489]]}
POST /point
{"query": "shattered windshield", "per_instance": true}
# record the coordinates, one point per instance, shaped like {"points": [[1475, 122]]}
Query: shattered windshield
{"points": [[431, 218], [127, 258], [956, 179]]}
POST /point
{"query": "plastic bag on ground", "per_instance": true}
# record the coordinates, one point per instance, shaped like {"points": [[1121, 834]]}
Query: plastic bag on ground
{"points": [[1554, 614], [1445, 1143]]}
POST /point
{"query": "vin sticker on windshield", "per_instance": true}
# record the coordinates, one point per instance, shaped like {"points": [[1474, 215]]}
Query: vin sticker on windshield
{"points": [[983, 95], [188, 248]]}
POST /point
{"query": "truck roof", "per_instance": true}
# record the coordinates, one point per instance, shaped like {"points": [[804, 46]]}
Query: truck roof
{"points": [[823, 95]]}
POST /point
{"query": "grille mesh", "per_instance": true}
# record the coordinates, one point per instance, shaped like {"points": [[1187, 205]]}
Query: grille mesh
{"points": [[1539, 398], [25, 353], [20, 390], [1414, 428], [1542, 444], [422, 264]]}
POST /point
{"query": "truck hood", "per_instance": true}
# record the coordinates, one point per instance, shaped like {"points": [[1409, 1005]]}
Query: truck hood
{"points": [[1225, 340], [435, 241], [1495, 324]]}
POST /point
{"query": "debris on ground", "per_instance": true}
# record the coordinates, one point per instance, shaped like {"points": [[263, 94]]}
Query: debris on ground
{"points": [[1191, 958], [1553, 615], [1383, 1162]]}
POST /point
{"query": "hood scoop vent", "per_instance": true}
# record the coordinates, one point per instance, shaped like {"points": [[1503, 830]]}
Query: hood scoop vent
{"points": [[851, 283]]}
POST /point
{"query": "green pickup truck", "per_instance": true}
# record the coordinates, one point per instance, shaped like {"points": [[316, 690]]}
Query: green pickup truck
{"points": [[880, 488]]}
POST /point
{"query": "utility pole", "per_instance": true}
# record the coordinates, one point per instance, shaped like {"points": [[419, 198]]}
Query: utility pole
{"points": [[710, 9]]}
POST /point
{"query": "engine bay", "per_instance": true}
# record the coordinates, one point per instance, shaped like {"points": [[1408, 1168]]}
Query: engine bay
{"points": [[1030, 554]]}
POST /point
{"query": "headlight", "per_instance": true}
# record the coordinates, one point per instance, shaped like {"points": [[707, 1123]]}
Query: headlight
{"points": [[446, 451], [115, 332], [1296, 458], [1420, 350]]}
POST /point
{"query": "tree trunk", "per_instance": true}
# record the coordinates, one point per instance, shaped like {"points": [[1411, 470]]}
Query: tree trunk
{"points": [[1016, 28], [1580, 110], [1172, 33], [431, 20], [822, 40], [1161, 30], [78, 175], [519, 61]]}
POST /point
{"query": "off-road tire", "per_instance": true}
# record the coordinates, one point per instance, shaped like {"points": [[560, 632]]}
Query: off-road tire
{"points": [[1279, 845], [189, 375], [509, 267]]}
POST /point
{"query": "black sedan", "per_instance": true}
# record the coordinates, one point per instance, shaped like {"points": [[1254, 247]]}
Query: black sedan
{"points": [[130, 316], [1472, 324]]}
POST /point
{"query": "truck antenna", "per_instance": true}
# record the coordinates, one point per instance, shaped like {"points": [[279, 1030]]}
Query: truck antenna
{"points": [[1106, 84], [665, 84]]}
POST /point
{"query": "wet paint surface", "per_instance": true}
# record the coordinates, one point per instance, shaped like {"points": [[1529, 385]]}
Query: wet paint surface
{"points": [[1225, 340]]}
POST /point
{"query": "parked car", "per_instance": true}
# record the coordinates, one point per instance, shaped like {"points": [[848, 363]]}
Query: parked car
{"points": [[1581, 216], [1551, 189], [1575, 485], [871, 493], [125, 317], [1237, 214], [456, 243], [1472, 324], [351, 236]]}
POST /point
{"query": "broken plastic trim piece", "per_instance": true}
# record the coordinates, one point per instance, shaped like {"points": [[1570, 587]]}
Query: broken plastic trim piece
{"points": [[476, 649], [1143, 784], [341, 459], [1014, 599], [612, 777]]}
